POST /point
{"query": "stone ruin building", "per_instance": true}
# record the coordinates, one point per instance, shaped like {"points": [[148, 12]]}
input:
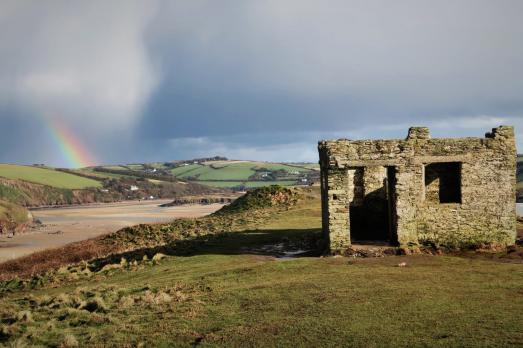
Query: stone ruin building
{"points": [[452, 192]]}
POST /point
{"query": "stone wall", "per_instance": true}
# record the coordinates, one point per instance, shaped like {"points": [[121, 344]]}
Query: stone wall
{"points": [[421, 203]]}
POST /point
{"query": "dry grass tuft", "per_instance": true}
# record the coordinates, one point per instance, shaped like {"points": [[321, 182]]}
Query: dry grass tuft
{"points": [[69, 341], [24, 316], [126, 302]]}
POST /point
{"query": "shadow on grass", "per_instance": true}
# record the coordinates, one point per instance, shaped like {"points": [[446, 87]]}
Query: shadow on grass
{"points": [[284, 243]]}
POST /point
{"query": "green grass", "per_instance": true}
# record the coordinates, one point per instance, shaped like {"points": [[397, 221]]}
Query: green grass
{"points": [[235, 171], [106, 175], [249, 184], [224, 293], [158, 165], [278, 166], [314, 166], [10, 194], [183, 170], [244, 300], [231, 170], [48, 177], [133, 166], [115, 167]]}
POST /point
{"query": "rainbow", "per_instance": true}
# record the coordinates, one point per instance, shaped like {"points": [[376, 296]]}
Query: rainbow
{"points": [[73, 151]]}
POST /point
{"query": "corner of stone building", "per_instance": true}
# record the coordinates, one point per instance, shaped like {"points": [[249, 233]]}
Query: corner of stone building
{"points": [[501, 132]]}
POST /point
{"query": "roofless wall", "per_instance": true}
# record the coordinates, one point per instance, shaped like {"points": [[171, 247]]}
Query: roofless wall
{"points": [[451, 192]]}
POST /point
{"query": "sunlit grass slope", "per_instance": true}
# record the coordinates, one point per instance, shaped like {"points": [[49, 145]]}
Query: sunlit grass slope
{"points": [[46, 176], [248, 184], [227, 291], [237, 173], [230, 170], [12, 213]]}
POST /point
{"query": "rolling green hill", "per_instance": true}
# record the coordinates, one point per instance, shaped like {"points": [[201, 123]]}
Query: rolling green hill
{"points": [[244, 173], [220, 172], [46, 176], [32, 186]]}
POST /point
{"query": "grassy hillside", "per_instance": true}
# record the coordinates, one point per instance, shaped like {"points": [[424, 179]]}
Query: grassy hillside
{"points": [[45, 176], [220, 172], [206, 287], [246, 184], [231, 170], [244, 173], [35, 186]]}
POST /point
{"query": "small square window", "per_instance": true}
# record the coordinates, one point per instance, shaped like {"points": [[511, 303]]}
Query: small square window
{"points": [[443, 182]]}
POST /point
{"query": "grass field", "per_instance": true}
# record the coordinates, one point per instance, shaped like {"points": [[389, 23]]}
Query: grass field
{"points": [[248, 184], [131, 166], [231, 291], [227, 170], [214, 173], [45, 176], [314, 166], [106, 175]]}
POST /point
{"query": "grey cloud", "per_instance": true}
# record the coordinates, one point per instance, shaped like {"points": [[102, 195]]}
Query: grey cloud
{"points": [[143, 80], [331, 64], [82, 61]]}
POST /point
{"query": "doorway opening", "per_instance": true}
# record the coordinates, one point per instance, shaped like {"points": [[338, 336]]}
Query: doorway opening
{"points": [[373, 214]]}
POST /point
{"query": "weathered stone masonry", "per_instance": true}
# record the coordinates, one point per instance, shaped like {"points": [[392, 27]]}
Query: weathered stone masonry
{"points": [[445, 192]]}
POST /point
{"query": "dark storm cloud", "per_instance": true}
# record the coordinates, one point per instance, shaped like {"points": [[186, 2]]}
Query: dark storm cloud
{"points": [[336, 65], [265, 79]]}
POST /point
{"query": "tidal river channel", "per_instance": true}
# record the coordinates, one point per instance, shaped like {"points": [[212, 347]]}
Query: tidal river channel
{"points": [[61, 226]]}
